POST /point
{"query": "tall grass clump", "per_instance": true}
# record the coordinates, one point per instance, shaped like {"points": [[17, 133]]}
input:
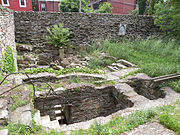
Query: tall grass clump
{"points": [[155, 57]]}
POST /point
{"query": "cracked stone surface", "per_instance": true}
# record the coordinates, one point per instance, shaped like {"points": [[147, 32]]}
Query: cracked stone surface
{"points": [[4, 132], [153, 128], [22, 115]]}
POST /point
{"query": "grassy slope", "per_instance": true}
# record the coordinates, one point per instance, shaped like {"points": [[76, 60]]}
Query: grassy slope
{"points": [[154, 57]]}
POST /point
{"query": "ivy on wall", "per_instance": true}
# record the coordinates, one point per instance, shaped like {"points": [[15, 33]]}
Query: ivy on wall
{"points": [[8, 61]]}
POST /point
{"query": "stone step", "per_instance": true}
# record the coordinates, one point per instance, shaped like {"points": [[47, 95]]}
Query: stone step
{"points": [[57, 107], [4, 116], [113, 69], [45, 121], [59, 117], [54, 124], [37, 117], [57, 112], [125, 63], [119, 65]]}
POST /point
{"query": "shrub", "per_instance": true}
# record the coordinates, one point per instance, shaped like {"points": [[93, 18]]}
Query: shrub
{"points": [[167, 16], [58, 36], [8, 61]]}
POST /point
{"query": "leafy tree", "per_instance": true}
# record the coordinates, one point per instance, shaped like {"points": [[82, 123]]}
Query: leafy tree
{"points": [[151, 7], [142, 6], [104, 8], [73, 6], [167, 16]]}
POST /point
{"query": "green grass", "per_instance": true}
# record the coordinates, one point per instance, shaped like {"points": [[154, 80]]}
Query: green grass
{"points": [[175, 85], [63, 71], [1, 78], [119, 124], [171, 118], [167, 120], [154, 57], [131, 73], [17, 102], [19, 129]]}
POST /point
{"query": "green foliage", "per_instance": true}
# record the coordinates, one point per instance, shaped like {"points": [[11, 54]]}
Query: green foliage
{"points": [[17, 102], [151, 7], [104, 8], [73, 6], [19, 129], [58, 36], [63, 71], [171, 123], [119, 124], [135, 11], [155, 57], [142, 6], [52, 132], [131, 73], [8, 62], [175, 85], [167, 17], [2, 77]]}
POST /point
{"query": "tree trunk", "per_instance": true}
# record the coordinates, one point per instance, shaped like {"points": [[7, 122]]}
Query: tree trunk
{"points": [[61, 53]]}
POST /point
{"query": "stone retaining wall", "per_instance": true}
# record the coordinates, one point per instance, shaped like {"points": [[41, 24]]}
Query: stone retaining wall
{"points": [[7, 36], [31, 26]]}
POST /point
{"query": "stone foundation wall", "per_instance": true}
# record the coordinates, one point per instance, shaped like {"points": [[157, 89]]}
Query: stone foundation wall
{"points": [[7, 36], [87, 102]]}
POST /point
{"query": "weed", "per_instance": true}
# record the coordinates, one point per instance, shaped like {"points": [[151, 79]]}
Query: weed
{"points": [[17, 102], [171, 123], [52, 132], [77, 89], [63, 71], [131, 73], [175, 85], [99, 83]]}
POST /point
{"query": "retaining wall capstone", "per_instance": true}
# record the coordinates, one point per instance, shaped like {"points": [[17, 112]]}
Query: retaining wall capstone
{"points": [[7, 36]]}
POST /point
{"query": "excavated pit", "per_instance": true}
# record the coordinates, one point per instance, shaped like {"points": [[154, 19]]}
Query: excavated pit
{"points": [[141, 86], [81, 103]]}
